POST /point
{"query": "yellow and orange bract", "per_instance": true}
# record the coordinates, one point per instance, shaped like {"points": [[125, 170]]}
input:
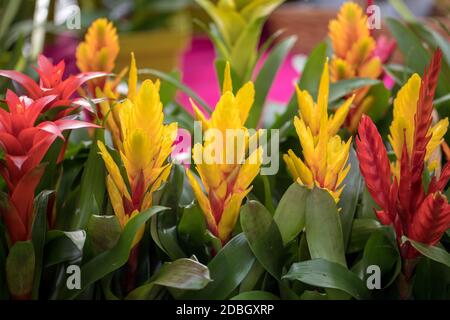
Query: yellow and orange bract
{"points": [[144, 144], [225, 183], [403, 124], [353, 48], [100, 48], [325, 154]]}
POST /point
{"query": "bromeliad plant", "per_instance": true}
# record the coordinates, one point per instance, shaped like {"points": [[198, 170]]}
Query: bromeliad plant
{"points": [[418, 215], [140, 226]]}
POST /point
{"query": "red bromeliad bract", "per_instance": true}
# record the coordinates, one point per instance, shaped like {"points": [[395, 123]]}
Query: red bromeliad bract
{"points": [[419, 214], [24, 144], [51, 83]]}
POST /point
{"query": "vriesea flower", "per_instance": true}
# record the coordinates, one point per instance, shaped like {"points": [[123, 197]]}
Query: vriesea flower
{"points": [[24, 143], [354, 56], [99, 50], [421, 215], [221, 162], [51, 83], [144, 144], [325, 154]]}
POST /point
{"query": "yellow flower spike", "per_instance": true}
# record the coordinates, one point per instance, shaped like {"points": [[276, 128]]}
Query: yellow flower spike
{"points": [[100, 48], [144, 146], [404, 112], [353, 48], [325, 154], [225, 184], [132, 79]]}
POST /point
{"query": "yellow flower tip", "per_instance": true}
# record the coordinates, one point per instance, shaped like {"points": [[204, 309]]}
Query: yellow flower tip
{"points": [[132, 78], [227, 82]]}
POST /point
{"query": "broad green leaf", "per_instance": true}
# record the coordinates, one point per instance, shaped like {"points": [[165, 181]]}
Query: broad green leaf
{"points": [[263, 236], [110, 260], [63, 246], [255, 295], [192, 226], [323, 227], [39, 231], [266, 76], [7, 18], [20, 266], [104, 232], [349, 198], [327, 274], [382, 252], [290, 212], [362, 228], [343, 88], [227, 269], [175, 82], [432, 252], [92, 190], [183, 274]]}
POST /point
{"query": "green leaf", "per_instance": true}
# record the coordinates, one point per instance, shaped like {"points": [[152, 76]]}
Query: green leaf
{"points": [[327, 274], [343, 88], [415, 55], [39, 231], [323, 228], [361, 231], [227, 269], [255, 295], [380, 105], [263, 236], [350, 195], [175, 82], [432, 252], [63, 246], [164, 224], [382, 252], [20, 266], [104, 232], [92, 191], [8, 16], [183, 274], [309, 81], [192, 226], [243, 52], [110, 260], [266, 76], [431, 280], [290, 212]]}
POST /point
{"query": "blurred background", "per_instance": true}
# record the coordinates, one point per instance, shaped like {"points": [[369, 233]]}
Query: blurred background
{"points": [[163, 36]]}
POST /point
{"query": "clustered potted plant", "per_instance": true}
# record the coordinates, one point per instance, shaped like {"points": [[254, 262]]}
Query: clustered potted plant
{"points": [[356, 207]]}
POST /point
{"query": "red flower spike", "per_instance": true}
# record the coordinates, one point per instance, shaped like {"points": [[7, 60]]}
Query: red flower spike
{"points": [[423, 121], [431, 220], [24, 145], [421, 216], [373, 162]]}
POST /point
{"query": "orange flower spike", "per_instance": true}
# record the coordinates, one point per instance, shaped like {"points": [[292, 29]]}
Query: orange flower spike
{"points": [[354, 49], [100, 48]]}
